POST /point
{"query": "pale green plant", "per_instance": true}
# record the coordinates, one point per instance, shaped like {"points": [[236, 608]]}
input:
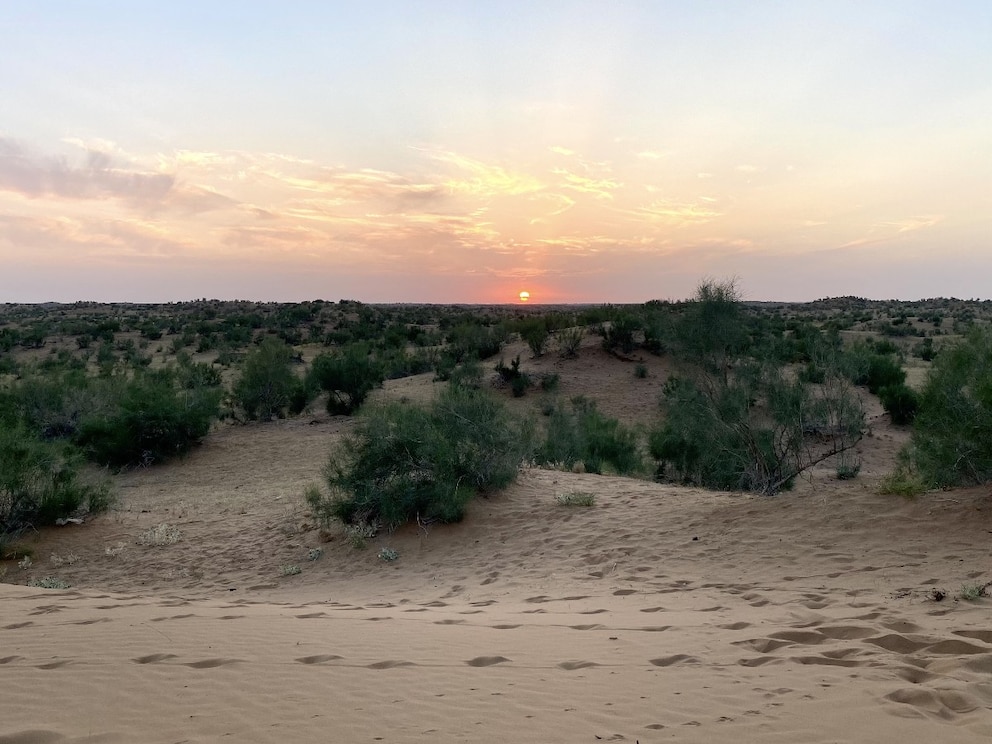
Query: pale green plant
{"points": [[63, 560], [159, 535], [576, 498], [49, 582], [388, 554], [291, 570], [973, 592]]}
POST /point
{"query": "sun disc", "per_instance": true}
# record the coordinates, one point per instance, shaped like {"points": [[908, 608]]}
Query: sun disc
{"points": [[524, 296]]}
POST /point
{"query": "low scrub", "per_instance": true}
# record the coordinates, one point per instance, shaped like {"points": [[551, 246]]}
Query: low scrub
{"points": [[580, 433], [952, 435], [405, 463], [41, 482], [153, 420], [754, 431]]}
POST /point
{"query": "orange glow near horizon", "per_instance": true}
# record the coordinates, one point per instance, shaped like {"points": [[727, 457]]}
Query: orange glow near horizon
{"points": [[525, 296]]}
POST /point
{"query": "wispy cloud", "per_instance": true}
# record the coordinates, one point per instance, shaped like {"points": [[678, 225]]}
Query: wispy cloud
{"points": [[913, 224], [96, 177], [486, 179], [601, 188]]}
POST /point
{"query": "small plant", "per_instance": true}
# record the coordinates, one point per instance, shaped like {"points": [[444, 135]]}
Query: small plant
{"points": [[973, 592], [388, 555], [848, 468], [550, 382], [902, 482], [291, 570], [159, 535], [569, 341], [25, 563], [640, 371], [114, 551], [63, 560], [315, 553], [576, 498], [49, 582]]}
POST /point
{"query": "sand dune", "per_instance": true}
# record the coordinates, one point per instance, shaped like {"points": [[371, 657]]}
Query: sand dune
{"points": [[658, 614]]}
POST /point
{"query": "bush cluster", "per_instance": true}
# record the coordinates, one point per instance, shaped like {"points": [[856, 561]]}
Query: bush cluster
{"points": [[40, 482], [404, 462], [580, 433]]}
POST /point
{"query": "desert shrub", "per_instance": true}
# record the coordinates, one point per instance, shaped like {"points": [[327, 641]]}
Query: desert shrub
{"points": [[518, 379], [535, 333], [711, 330], [569, 340], [475, 341], [550, 381], [884, 371], [53, 405], [404, 463], [900, 402], [902, 482], [925, 350], [153, 419], [754, 431], [952, 435], [847, 467], [579, 432], [618, 335], [468, 374], [40, 482], [263, 390], [640, 371], [347, 376]]}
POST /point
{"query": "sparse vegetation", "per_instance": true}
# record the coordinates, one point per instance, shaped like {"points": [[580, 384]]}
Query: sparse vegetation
{"points": [[973, 592], [405, 463], [952, 434], [580, 433], [576, 498], [160, 535]]}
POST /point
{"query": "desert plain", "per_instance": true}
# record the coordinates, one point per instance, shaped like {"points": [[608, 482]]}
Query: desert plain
{"points": [[208, 604]]}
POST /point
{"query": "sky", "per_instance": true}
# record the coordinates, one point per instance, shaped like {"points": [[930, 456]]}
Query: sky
{"points": [[461, 152]]}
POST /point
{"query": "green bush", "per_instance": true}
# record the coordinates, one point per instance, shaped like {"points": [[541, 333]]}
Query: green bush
{"points": [[348, 377], [754, 431], [404, 463], [267, 381], [153, 420], [884, 371], [581, 433], [900, 402], [535, 333], [569, 341], [40, 482], [952, 435]]}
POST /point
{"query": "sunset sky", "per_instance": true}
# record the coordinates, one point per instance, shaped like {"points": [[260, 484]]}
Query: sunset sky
{"points": [[464, 151]]}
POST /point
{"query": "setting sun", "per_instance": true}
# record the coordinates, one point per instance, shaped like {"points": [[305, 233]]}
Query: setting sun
{"points": [[524, 296]]}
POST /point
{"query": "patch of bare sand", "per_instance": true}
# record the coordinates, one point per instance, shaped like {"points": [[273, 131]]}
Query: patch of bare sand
{"points": [[659, 613]]}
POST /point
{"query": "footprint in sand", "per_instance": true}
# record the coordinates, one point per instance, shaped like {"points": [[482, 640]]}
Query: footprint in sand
{"points": [[667, 661], [571, 666], [484, 661], [318, 659], [153, 658], [212, 663], [391, 664]]}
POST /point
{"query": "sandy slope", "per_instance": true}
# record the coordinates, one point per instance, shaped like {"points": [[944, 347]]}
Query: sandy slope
{"points": [[659, 614]]}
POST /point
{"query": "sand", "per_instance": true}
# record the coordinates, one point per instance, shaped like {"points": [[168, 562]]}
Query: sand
{"points": [[658, 614]]}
